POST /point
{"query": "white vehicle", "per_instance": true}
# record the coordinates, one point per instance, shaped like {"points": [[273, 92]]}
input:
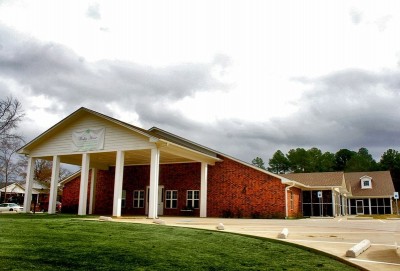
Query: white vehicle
{"points": [[10, 207]]}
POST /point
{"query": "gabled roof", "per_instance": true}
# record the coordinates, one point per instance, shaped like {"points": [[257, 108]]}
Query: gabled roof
{"points": [[70, 177], [155, 134], [162, 134], [37, 188], [320, 179], [382, 184], [72, 117]]}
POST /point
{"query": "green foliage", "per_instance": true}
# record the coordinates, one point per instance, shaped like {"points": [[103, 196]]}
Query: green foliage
{"points": [[258, 162], [58, 242], [314, 160], [361, 161], [278, 163], [298, 160], [390, 160], [341, 159]]}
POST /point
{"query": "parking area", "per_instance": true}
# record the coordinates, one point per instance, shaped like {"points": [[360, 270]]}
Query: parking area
{"points": [[334, 235]]}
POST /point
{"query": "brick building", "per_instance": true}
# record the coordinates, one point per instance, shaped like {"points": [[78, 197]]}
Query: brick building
{"points": [[126, 170], [129, 170]]}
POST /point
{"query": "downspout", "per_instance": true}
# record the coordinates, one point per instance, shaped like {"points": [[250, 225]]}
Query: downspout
{"points": [[286, 200]]}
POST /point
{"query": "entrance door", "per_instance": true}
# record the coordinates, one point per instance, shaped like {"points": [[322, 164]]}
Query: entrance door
{"points": [[360, 207], [160, 206]]}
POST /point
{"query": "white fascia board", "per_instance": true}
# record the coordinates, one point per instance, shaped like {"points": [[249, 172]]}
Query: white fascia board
{"points": [[70, 177], [208, 157], [322, 187]]}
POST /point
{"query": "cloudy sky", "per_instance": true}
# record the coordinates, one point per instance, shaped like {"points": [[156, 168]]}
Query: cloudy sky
{"points": [[243, 77]]}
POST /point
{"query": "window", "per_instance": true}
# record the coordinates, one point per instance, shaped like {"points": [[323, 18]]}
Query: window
{"points": [[138, 199], [291, 200], [366, 182], [123, 199], [193, 199], [171, 199]]}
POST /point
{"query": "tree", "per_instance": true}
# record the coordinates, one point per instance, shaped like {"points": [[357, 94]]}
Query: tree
{"points": [[341, 158], [298, 160], [390, 160], [258, 162], [10, 168], [43, 170], [278, 164], [361, 161], [10, 115], [327, 162]]}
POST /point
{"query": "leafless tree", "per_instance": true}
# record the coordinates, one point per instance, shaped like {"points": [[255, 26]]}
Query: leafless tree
{"points": [[42, 170], [10, 115], [10, 168]]}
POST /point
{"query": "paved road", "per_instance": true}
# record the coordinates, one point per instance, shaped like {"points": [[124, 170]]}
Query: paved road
{"points": [[334, 236]]}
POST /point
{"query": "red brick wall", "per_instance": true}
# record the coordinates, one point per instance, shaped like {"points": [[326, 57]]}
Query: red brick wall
{"points": [[70, 195], [239, 190], [296, 211], [234, 189]]}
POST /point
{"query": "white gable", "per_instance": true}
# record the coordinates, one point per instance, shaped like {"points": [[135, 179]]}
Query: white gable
{"points": [[116, 137]]}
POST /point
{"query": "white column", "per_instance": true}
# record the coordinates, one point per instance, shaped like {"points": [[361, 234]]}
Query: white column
{"points": [[154, 171], [118, 180], [84, 184], [29, 182], [370, 208], [203, 190], [93, 179], [55, 173]]}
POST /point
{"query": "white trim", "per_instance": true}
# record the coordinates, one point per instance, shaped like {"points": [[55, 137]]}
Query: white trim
{"points": [[118, 180], [154, 179], [203, 190], [171, 199], [55, 172], [192, 199], [28, 185], [84, 184], [93, 182], [141, 194]]}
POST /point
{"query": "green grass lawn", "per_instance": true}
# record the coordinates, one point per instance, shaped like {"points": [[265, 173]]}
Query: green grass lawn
{"points": [[61, 242]]}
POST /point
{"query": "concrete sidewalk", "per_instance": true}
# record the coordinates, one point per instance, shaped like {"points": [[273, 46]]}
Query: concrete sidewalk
{"points": [[334, 236]]}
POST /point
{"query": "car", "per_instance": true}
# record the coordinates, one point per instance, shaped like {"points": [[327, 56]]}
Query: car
{"points": [[10, 207]]}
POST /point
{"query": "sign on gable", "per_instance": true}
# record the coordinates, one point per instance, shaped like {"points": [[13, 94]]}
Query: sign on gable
{"points": [[88, 140]]}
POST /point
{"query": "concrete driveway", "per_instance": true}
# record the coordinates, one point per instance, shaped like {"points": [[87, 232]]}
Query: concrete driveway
{"points": [[334, 236]]}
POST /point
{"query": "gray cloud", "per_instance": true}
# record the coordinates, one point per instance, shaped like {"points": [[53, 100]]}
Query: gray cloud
{"points": [[57, 72], [346, 109]]}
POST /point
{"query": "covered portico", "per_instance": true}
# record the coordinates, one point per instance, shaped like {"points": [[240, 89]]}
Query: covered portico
{"points": [[94, 141]]}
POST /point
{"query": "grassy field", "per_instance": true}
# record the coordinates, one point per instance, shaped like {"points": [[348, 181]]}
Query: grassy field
{"points": [[61, 242]]}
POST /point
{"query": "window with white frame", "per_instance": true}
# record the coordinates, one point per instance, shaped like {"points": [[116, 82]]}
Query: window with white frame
{"points": [[193, 199], [138, 199], [123, 199], [171, 199], [291, 201], [366, 182]]}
